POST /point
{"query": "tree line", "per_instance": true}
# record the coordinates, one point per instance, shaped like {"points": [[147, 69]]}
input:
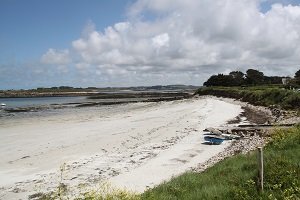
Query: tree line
{"points": [[251, 77]]}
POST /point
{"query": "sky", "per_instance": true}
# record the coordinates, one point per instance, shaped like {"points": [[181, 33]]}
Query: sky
{"points": [[111, 43]]}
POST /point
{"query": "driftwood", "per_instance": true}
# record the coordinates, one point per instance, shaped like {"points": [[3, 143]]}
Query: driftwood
{"points": [[239, 133], [264, 125], [247, 130], [214, 131]]}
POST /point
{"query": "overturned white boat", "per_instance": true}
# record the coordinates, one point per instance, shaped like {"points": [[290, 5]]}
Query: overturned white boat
{"points": [[216, 132], [213, 131]]}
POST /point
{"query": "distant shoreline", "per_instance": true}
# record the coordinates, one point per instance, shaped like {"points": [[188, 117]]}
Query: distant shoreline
{"points": [[65, 91], [44, 94], [96, 99], [99, 95]]}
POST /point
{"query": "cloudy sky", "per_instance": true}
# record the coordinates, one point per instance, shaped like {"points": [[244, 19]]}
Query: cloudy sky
{"points": [[144, 42]]}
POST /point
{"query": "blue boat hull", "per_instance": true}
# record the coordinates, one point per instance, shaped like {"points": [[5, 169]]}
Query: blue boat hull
{"points": [[213, 140]]}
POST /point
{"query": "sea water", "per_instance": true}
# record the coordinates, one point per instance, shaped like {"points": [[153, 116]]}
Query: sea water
{"points": [[39, 101], [61, 113]]}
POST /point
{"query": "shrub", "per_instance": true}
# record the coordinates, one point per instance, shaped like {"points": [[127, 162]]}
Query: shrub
{"points": [[263, 96]]}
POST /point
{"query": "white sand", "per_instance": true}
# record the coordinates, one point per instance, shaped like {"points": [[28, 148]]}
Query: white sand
{"points": [[134, 146]]}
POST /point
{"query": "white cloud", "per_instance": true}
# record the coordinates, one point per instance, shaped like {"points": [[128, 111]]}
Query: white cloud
{"points": [[56, 57], [161, 40], [198, 37], [82, 66]]}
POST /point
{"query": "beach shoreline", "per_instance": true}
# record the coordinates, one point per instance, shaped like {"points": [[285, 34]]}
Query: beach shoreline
{"points": [[164, 138]]}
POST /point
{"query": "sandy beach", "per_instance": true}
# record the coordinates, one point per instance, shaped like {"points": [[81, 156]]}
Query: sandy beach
{"points": [[132, 146]]}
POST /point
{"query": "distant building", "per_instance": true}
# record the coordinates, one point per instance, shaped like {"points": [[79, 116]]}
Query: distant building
{"points": [[285, 80]]}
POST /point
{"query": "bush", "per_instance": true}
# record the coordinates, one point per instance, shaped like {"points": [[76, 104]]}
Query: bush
{"points": [[263, 96], [292, 101]]}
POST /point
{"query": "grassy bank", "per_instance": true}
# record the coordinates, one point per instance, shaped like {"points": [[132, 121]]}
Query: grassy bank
{"points": [[263, 95], [236, 177]]}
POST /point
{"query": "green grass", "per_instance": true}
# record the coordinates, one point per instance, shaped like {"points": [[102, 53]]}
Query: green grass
{"points": [[236, 177], [215, 183]]}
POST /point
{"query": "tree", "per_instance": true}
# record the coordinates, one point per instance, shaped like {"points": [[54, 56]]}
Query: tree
{"points": [[297, 77], [235, 78], [238, 78], [219, 80], [237, 74], [254, 77], [297, 74], [273, 79]]}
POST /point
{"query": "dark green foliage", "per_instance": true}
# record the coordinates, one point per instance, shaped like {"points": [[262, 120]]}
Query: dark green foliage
{"points": [[219, 80], [297, 78], [251, 78], [297, 74], [273, 80], [238, 78], [264, 96], [254, 77], [292, 101], [235, 78]]}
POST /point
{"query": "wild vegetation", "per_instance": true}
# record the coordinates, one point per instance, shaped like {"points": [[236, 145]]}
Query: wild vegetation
{"points": [[256, 88], [259, 95]]}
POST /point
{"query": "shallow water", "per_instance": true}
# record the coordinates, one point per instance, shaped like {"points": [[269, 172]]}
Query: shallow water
{"points": [[39, 101], [39, 107], [67, 113]]}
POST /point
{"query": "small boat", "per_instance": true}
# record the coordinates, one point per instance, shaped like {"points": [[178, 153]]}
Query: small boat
{"points": [[213, 139], [222, 134], [3, 105]]}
